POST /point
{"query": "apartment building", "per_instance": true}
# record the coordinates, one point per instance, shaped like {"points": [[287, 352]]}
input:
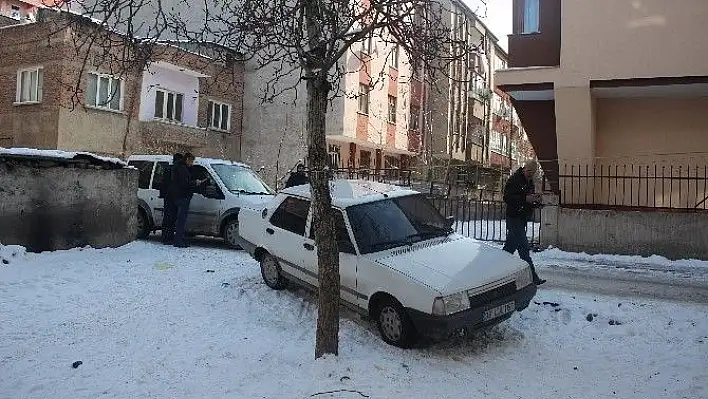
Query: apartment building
{"points": [[73, 99], [374, 123], [614, 86], [471, 124]]}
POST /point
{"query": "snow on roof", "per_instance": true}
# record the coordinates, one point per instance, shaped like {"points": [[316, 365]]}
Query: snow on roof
{"points": [[197, 160], [58, 155], [347, 193]]}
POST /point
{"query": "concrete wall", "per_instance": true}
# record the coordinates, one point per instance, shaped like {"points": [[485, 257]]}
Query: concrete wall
{"points": [[54, 208], [675, 235]]}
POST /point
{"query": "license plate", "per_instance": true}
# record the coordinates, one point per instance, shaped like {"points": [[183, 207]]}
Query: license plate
{"points": [[498, 311]]}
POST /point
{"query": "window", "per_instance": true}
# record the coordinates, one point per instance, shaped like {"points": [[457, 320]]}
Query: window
{"points": [[15, 12], [394, 56], [344, 242], [365, 159], [29, 85], [334, 152], [364, 98], [219, 115], [391, 109], [104, 91], [239, 179], [368, 46], [414, 118], [530, 17], [395, 222], [291, 215], [145, 172], [168, 105]]}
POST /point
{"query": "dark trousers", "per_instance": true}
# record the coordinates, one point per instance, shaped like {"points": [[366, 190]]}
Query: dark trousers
{"points": [[182, 206], [169, 216], [516, 240]]}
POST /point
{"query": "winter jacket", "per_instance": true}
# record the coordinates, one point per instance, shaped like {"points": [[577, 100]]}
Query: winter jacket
{"points": [[515, 192], [181, 183], [165, 182], [296, 179]]}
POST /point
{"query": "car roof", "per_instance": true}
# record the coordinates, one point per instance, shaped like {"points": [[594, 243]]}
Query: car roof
{"points": [[197, 160], [346, 193]]}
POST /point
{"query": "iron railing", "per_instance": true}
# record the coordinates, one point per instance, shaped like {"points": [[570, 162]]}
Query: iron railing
{"points": [[483, 220], [680, 187]]}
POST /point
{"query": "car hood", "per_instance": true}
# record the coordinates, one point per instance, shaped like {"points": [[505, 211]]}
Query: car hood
{"points": [[452, 264], [254, 201]]}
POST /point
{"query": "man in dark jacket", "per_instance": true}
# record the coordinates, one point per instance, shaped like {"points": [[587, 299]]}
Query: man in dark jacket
{"points": [[520, 199], [297, 178], [182, 188], [169, 209]]}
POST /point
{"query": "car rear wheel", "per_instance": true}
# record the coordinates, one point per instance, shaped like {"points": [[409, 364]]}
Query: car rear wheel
{"points": [[272, 273], [395, 326], [143, 225], [231, 236]]}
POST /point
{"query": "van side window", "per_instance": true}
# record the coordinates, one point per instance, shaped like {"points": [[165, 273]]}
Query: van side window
{"points": [[145, 170], [159, 172], [340, 228], [291, 215]]}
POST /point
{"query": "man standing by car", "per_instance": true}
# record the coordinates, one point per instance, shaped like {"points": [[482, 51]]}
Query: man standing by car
{"points": [[169, 211], [521, 199], [297, 178], [182, 188]]}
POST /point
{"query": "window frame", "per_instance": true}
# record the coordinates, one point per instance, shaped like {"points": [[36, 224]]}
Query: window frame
{"points": [[165, 93], [149, 174], [282, 204], [39, 85], [525, 6], [395, 54], [414, 119], [364, 96], [347, 228], [392, 109], [210, 115], [106, 106]]}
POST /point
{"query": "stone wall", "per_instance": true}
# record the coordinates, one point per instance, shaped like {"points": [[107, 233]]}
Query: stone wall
{"points": [[47, 206], [672, 234]]}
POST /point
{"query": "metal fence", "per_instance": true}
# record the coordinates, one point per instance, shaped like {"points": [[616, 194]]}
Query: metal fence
{"points": [[680, 187], [484, 220], [399, 177]]}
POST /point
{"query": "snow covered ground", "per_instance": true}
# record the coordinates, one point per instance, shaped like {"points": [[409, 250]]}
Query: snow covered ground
{"points": [[149, 321]]}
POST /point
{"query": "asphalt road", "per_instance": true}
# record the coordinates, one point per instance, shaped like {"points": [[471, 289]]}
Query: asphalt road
{"points": [[624, 284]]}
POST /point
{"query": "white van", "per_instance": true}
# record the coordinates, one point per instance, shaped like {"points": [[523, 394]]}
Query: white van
{"points": [[213, 211]]}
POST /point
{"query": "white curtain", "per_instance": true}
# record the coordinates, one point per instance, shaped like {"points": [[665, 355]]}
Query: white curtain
{"points": [[531, 16]]}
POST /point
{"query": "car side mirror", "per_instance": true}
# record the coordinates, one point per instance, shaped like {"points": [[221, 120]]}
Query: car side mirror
{"points": [[346, 246], [213, 192]]}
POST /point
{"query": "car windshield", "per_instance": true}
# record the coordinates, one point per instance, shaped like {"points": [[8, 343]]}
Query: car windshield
{"points": [[239, 179], [396, 222]]}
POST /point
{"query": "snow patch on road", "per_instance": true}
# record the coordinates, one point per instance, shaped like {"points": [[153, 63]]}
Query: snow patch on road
{"points": [[147, 320]]}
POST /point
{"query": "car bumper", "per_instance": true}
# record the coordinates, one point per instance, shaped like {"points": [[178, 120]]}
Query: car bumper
{"points": [[247, 246], [442, 327]]}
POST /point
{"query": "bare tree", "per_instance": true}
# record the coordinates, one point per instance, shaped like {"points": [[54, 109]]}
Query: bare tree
{"points": [[304, 42]]}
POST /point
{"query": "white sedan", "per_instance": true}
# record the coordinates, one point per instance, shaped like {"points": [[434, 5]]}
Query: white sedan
{"points": [[401, 263]]}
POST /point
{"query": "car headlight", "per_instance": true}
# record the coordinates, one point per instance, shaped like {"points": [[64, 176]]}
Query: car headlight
{"points": [[523, 278], [451, 304]]}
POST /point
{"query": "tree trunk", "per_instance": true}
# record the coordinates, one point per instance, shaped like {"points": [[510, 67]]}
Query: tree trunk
{"points": [[327, 340]]}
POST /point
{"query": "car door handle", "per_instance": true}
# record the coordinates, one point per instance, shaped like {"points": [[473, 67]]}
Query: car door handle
{"points": [[308, 247], [270, 231]]}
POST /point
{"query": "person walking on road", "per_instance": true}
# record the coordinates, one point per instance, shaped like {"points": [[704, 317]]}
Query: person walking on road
{"points": [[169, 208], [182, 188], [521, 200]]}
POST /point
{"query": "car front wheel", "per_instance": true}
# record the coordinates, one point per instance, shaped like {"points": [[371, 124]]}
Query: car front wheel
{"points": [[231, 235], [395, 326], [271, 272]]}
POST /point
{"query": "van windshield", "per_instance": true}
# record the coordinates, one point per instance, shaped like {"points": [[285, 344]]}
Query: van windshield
{"points": [[239, 179]]}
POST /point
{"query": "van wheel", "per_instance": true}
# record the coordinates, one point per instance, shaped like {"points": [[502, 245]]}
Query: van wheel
{"points": [[143, 225], [272, 273], [231, 235], [395, 326]]}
